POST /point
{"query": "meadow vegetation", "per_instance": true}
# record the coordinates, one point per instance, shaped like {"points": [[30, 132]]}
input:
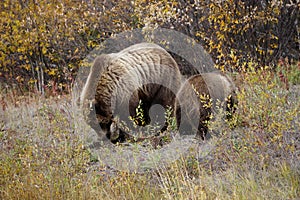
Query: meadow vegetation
{"points": [[43, 149], [43, 155]]}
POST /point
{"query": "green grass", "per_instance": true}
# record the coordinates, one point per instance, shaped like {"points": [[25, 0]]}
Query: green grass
{"points": [[43, 154]]}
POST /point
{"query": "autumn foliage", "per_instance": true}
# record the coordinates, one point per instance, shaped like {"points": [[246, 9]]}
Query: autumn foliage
{"points": [[43, 42]]}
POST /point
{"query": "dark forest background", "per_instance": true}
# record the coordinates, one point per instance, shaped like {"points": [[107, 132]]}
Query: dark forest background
{"points": [[43, 43]]}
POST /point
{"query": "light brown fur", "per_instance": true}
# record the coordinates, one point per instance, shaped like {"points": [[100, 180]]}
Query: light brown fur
{"points": [[119, 80]]}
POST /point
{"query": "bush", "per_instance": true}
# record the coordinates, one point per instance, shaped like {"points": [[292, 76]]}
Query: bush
{"points": [[42, 44]]}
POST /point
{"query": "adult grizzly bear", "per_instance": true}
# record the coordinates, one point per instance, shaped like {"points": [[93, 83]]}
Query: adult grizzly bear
{"points": [[143, 74], [197, 100]]}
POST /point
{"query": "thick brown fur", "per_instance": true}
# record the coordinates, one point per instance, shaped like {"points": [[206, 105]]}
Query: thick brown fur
{"points": [[143, 72], [194, 99]]}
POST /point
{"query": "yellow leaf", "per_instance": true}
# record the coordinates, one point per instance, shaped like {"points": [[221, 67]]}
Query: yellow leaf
{"points": [[76, 50], [44, 50], [52, 72]]}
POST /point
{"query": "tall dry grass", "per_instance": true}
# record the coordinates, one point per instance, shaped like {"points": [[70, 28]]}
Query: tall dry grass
{"points": [[43, 154]]}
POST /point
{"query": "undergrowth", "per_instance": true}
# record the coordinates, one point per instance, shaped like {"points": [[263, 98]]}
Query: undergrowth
{"points": [[43, 156]]}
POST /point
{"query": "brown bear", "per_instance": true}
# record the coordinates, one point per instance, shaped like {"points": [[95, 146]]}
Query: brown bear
{"points": [[143, 74], [197, 100]]}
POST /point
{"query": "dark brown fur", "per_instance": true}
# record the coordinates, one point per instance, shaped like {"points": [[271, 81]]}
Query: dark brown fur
{"points": [[216, 86]]}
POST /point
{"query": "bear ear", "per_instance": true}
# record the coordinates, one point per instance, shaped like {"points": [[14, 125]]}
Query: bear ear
{"points": [[99, 65]]}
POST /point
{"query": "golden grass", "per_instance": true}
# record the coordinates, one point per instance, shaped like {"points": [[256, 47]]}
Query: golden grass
{"points": [[43, 155]]}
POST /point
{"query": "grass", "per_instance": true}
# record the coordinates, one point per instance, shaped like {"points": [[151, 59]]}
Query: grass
{"points": [[43, 154]]}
